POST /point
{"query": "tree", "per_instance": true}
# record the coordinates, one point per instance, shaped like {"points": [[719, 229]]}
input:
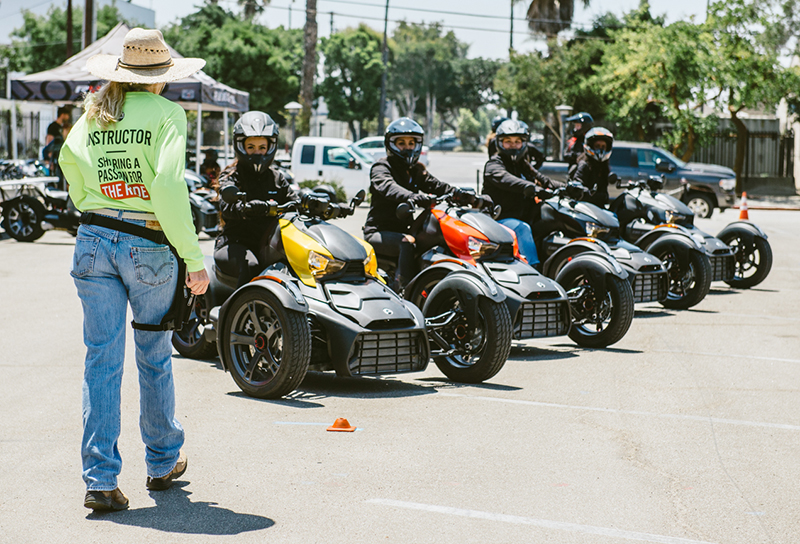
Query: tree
{"points": [[252, 7], [469, 130], [353, 71], [549, 17], [243, 54], [309, 66]]}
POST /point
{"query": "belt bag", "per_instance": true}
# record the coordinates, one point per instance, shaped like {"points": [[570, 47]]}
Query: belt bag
{"points": [[183, 300]]}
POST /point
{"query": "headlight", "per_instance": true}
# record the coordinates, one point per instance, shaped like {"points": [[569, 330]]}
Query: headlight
{"points": [[320, 265], [675, 218], [728, 184], [596, 231], [479, 248]]}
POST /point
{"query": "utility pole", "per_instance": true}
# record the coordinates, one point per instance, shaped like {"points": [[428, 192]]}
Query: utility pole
{"points": [[89, 30], [69, 28], [382, 109], [511, 34], [331, 23]]}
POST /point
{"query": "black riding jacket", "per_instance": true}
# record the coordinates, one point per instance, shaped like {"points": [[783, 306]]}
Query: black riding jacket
{"points": [[593, 175], [237, 226], [505, 181], [392, 182]]}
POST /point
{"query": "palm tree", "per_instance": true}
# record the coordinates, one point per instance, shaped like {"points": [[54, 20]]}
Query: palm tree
{"points": [[549, 17], [251, 7], [309, 67]]}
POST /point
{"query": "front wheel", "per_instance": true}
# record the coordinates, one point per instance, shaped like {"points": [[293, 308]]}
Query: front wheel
{"points": [[23, 219], [700, 204], [190, 341], [753, 261], [598, 319], [266, 347], [689, 280], [468, 353]]}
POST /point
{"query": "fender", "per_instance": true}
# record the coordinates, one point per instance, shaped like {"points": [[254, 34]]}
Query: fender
{"points": [[681, 245], [565, 254], [747, 230], [672, 231], [594, 265], [435, 272], [473, 285]]}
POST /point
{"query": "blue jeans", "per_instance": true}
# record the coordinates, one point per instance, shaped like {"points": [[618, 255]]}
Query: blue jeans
{"points": [[527, 247], [110, 270]]}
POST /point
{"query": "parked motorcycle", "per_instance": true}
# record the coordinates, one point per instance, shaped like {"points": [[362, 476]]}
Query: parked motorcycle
{"points": [[320, 307], [31, 207], [739, 255], [204, 202]]}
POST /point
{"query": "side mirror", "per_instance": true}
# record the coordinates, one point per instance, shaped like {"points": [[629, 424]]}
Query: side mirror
{"points": [[497, 211], [230, 194], [403, 211], [358, 199], [654, 183], [529, 191], [664, 166], [353, 165]]}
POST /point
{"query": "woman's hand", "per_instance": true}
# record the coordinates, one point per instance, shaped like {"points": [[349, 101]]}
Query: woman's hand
{"points": [[197, 282]]}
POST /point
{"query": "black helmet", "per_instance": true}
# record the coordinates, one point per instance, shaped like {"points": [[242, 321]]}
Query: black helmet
{"points": [[595, 135], [404, 127], [496, 122], [580, 117], [254, 124], [509, 127]]}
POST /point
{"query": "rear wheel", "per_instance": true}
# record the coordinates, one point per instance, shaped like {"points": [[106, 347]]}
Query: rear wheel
{"points": [[23, 219], [700, 204], [753, 261], [598, 319], [190, 341], [468, 353], [266, 347], [689, 282]]}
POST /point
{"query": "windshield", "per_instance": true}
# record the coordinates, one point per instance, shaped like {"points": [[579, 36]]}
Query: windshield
{"points": [[360, 154], [673, 158]]}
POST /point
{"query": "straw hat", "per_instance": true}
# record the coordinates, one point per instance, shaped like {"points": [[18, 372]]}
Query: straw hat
{"points": [[145, 59]]}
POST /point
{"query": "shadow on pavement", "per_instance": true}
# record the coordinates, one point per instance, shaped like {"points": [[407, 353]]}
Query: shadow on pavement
{"points": [[445, 383], [530, 353], [175, 513], [646, 314], [722, 291]]}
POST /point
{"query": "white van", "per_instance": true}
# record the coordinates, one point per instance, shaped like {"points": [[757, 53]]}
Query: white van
{"points": [[331, 159]]}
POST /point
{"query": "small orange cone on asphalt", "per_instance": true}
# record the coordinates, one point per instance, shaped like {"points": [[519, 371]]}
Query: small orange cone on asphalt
{"points": [[743, 207], [342, 425]]}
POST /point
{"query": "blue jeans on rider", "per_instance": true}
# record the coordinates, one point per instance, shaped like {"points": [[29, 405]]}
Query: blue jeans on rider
{"points": [[524, 239], [112, 269]]}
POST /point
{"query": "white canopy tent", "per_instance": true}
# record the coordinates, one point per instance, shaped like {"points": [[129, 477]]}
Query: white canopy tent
{"points": [[70, 81]]}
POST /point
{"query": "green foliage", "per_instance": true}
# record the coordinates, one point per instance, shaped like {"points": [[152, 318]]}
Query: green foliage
{"points": [[353, 72], [39, 44], [243, 54], [341, 195], [468, 130]]}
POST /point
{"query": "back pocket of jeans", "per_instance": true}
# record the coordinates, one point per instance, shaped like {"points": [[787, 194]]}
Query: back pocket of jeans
{"points": [[153, 264], [84, 256]]}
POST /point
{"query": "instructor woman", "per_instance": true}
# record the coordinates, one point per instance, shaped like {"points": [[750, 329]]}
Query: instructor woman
{"points": [[124, 161]]}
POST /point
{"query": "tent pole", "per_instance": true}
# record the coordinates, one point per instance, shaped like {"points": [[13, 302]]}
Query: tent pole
{"points": [[225, 135], [13, 141], [199, 139]]}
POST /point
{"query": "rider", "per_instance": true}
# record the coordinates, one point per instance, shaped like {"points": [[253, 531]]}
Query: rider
{"points": [[593, 170], [246, 225], [581, 124], [491, 148], [505, 179], [395, 179]]}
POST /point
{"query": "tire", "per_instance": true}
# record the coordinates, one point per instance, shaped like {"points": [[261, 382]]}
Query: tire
{"points": [[190, 341], [277, 368], [23, 219], [599, 324], [752, 267], [702, 205], [686, 287], [472, 365]]}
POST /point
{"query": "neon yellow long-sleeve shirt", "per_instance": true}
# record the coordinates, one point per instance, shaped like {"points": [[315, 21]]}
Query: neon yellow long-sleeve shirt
{"points": [[136, 164]]}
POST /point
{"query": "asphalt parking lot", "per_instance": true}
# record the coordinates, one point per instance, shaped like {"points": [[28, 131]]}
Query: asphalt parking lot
{"points": [[686, 431]]}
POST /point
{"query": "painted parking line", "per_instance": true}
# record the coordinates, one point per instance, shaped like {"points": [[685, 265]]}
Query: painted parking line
{"points": [[726, 355], [704, 419], [545, 523]]}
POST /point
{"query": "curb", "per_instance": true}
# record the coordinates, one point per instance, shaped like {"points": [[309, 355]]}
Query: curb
{"points": [[770, 208]]}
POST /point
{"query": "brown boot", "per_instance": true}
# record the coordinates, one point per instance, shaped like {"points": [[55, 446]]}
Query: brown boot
{"points": [[165, 482], [104, 501]]}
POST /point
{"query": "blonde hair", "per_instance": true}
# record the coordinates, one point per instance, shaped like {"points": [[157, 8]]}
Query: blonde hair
{"points": [[105, 105]]}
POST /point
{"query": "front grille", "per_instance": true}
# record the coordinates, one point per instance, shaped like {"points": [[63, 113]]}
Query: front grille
{"points": [[650, 287], [722, 268], [388, 352], [542, 319]]}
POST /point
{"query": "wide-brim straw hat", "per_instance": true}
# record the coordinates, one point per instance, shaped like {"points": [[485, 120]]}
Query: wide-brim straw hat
{"points": [[145, 59]]}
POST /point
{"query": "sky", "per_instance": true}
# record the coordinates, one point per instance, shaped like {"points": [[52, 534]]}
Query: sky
{"points": [[486, 27]]}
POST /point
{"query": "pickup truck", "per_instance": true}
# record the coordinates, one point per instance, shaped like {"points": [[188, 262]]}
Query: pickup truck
{"points": [[331, 159], [702, 187]]}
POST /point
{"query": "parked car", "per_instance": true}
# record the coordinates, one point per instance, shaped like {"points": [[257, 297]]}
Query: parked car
{"points": [[702, 187], [329, 160], [374, 147], [444, 143]]}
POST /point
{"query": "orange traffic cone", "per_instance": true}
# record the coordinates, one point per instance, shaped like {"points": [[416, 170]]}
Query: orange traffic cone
{"points": [[743, 207], [342, 425]]}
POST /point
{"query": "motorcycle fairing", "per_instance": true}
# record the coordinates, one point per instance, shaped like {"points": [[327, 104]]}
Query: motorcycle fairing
{"points": [[456, 234], [297, 246]]}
